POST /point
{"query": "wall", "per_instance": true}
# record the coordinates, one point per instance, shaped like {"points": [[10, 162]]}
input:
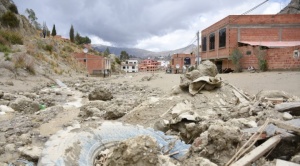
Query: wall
{"points": [[283, 59]]}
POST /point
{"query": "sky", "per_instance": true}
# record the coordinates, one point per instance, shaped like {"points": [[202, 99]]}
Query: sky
{"points": [[154, 25]]}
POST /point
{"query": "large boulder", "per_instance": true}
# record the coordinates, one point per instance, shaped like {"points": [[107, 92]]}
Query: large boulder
{"points": [[25, 105], [100, 93]]}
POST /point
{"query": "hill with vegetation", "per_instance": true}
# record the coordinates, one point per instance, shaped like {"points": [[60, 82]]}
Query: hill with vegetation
{"points": [[25, 51]]}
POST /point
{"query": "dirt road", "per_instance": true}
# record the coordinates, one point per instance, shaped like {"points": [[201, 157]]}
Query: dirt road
{"points": [[251, 83]]}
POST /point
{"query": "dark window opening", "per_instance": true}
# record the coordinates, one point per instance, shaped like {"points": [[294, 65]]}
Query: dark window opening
{"points": [[84, 60], [212, 41], [204, 44], [222, 37]]}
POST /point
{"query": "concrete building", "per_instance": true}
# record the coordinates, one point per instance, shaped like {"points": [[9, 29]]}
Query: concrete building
{"points": [[181, 62], [130, 66], [96, 65], [149, 65], [278, 35]]}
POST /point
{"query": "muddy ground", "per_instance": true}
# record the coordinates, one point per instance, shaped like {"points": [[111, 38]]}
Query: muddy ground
{"points": [[41, 107]]}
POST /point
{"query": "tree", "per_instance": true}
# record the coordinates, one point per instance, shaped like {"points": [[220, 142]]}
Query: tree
{"points": [[82, 40], [106, 52], [33, 19], [236, 57], [72, 34], [45, 30], [13, 8], [124, 56], [53, 31]]}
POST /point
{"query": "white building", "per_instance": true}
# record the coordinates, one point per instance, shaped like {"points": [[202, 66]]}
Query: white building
{"points": [[163, 63], [130, 66]]}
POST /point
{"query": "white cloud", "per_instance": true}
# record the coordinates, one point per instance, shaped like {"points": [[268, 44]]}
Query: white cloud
{"points": [[98, 40]]}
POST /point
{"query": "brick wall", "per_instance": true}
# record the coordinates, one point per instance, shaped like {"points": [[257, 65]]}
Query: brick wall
{"points": [[92, 62], [283, 58], [179, 59]]}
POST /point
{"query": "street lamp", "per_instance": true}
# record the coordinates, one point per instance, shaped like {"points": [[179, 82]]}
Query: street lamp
{"points": [[85, 50]]}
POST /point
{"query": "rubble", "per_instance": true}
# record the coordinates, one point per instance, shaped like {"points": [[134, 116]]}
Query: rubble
{"points": [[100, 94]]}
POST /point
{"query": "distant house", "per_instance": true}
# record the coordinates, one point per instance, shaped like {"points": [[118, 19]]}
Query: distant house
{"points": [[277, 35], [96, 65], [149, 65], [181, 62], [130, 66]]}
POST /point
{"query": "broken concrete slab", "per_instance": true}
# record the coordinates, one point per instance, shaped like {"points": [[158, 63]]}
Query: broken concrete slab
{"points": [[292, 107], [285, 163]]}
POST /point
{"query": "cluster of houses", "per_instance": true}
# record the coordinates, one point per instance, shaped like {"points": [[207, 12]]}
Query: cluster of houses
{"points": [[273, 38]]}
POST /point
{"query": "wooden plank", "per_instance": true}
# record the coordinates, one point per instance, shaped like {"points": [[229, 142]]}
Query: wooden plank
{"points": [[258, 152], [286, 126], [285, 163]]}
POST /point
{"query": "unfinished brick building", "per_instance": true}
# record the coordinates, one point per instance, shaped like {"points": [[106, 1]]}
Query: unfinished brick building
{"points": [[278, 35], [180, 62]]}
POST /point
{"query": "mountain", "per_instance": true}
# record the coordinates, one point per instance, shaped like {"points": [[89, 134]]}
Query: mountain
{"points": [[143, 53], [292, 8]]}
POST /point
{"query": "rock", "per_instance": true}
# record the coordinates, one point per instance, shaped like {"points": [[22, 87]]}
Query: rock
{"points": [[25, 105], [296, 159], [1, 94], [25, 138], [8, 96], [33, 152], [10, 83], [287, 116], [10, 148], [6, 109], [176, 90], [141, 150], [100, 93]]}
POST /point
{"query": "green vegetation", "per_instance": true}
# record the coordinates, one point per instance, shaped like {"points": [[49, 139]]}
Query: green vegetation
{"points": [[9, 19], [106, 52], [124, 56], [261, 56], [82, 40], [4, 48], [72, 37], [236, 57], [53, 31], [24, 61], [68, 49], [48, 48], [118, 60], [13, 8], [11, 37], [33, 19]]}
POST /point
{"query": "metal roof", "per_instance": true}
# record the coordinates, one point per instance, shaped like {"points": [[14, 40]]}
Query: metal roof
{"points": [[272, 44]]}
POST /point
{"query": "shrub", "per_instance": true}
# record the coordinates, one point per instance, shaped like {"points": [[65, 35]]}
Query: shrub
{"points": [[48, 48], [13, 8], [261, 56], [24, 61], [6, 57], [11, 37], [236, 57], [4, 48], [10, 20], [68, 49]]}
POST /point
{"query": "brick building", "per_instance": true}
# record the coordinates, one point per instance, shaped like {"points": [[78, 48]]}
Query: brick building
{"points": [[279, 35], [180, 62], [96, 65], [149, 65]]}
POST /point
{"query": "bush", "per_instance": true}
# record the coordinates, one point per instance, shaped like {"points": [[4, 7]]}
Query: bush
{"points": [[4, 48], [68, 49], [11, 37], [13, 8], [6, 56], [24, 61], [48, 48], [10, 20], [236, 57], [261, 56]]}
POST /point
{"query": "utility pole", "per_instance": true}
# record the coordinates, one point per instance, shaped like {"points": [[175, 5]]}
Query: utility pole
{"points": [[197, 49]]}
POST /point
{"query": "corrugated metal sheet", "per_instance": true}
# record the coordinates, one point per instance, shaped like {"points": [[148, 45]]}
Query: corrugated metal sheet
{"points": [[272, 44]]}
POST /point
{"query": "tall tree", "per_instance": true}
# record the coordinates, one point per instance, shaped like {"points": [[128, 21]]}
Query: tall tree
{"points": [[106, 52], [45, 30], [124, 56], [53, 33], [72, 38], [33, 19]]}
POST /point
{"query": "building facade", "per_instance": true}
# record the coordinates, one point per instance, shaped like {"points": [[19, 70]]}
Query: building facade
{"points": [[95, 65], [249, 34], [149, 65], [130, 66], [181, 62]]}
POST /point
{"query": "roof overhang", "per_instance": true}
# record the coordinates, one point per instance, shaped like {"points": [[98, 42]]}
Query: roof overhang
{"points": [[272, 44]]}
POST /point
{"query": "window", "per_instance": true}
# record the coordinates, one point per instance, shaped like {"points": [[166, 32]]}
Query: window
{"points": [[212, 41], [204, 43], [124, 67], [222, 37], [133, 67], [84, 60]]}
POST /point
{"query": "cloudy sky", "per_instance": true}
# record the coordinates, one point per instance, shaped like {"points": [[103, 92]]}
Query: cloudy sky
{"points": [[155, 25]]}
